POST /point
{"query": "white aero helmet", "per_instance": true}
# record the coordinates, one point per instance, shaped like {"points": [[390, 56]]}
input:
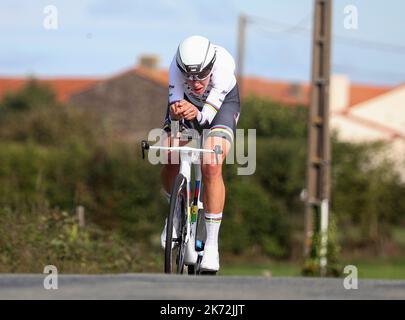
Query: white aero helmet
{"points": [[195, 57]]}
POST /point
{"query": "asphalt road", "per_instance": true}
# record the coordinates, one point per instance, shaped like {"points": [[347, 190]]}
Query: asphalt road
{"points": [[173, 287]]}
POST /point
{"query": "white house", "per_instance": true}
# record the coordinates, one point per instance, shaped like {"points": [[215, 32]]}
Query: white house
{"points": [[380, 117]]}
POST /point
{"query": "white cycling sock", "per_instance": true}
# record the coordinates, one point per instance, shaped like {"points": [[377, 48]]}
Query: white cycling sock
{"points": [[212, 223]]}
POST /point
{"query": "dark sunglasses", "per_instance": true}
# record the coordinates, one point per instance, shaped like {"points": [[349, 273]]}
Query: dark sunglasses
{"points": [[197, 76]]}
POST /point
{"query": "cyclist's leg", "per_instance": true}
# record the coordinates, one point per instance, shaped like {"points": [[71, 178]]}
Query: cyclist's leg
{"points": [[169, 170], [214, 189], [171, 167], [168, 174], [222, 132]]}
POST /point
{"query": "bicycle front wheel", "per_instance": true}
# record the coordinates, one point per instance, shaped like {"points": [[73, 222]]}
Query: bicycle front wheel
{"points": [[175, 247]]}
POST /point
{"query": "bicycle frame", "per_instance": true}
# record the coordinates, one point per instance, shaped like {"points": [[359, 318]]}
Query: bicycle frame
{"points": [[189, 156]]}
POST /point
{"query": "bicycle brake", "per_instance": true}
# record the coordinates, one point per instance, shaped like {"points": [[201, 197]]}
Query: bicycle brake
{"points": [[144, 146]]}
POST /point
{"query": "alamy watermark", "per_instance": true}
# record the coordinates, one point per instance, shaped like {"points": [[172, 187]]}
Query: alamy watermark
{"points": [[51, 280], [51, 21], [351, 282], [236, 154], [351, 20]]}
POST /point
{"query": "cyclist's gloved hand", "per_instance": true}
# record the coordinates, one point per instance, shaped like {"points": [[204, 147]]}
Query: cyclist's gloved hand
{"points": [[175, 111], [187, 110]]}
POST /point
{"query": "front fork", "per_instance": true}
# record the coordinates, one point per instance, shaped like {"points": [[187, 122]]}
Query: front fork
{"points": [[194, 202], [185, 170], [197, 205]]}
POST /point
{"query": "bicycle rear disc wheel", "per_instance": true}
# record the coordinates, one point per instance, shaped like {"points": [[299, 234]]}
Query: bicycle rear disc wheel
{"points": [[175, 248]]}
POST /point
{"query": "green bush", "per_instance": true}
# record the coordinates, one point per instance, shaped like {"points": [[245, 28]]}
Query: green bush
{"points": [[38, 236], [366, 192], [246, 227], [272, 120], [54, 158], [33, 95]]}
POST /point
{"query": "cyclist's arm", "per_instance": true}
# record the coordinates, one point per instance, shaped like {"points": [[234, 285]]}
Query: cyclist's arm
{"points": [[176, 82], [176, 91], [216, 97], [223, 79]]}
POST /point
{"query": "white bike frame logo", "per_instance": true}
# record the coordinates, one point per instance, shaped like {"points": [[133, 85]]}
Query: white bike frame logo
{"points": [[237, 151]]}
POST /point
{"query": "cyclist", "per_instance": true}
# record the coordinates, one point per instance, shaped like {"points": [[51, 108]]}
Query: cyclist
{"points": [[203, 92]]}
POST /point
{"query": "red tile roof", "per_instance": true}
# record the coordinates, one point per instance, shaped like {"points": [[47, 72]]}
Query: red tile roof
{"points": [[62, 87], [160, 76], [361, 93], [10, 85], [280, 91]]}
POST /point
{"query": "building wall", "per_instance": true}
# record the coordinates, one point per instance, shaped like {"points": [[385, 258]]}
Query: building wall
{"points": [[350, 130], [378, 119], [387, 109], [339, 93], [132, 104]]}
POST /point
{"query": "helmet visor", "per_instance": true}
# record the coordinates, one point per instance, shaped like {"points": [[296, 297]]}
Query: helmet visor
{"points": [[201, 75], [197, 76]]}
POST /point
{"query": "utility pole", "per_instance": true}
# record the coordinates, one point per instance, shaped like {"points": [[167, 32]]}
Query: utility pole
{"points": [[318, 161], [242, 22]]}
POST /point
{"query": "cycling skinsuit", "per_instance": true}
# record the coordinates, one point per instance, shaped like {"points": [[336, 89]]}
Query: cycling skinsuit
{"points": [[219, 104]]}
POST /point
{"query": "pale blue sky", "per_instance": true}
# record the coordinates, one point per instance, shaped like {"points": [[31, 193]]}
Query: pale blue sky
{"points": [[103, 37]]}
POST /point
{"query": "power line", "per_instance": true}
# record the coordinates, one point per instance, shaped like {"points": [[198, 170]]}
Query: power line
{"points": [[276, 34], [280, 27], [368, 72], [287, 28], [299, 29], [262, 25], [368, 44], [343, 67]]}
